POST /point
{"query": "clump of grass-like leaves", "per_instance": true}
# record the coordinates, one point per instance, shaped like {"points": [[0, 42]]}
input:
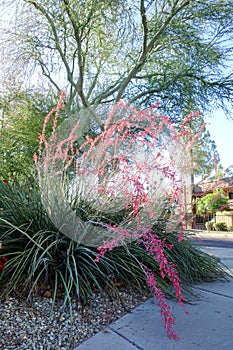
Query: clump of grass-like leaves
{"points": [[39, 255]]}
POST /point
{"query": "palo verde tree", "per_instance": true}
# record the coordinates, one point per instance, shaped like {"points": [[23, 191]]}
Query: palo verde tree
{"points": [[102, 51], [99, 52]]}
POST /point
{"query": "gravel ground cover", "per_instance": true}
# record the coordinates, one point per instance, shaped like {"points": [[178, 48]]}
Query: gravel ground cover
{"points": [[29, 325]]}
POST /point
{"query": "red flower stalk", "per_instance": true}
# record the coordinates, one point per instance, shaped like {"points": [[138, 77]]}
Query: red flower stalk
{"points": [[3, 260], [137, 165]]}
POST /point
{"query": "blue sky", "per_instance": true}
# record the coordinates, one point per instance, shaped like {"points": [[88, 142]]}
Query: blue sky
{"points": [[221, 131]]}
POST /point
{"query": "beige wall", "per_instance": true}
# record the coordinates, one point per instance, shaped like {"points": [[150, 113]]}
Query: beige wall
{"points": [[225, 216]]}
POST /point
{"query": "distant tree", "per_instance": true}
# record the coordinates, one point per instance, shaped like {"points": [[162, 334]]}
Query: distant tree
{"points": [[212, 202], [21, 121], [204, 151]]}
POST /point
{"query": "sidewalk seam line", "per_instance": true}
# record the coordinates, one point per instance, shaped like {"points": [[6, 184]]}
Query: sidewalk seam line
{"points": [[209, 291], [125, 338]]}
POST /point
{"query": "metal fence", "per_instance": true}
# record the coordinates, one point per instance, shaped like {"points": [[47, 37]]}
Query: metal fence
{"points": [[198, 222]]}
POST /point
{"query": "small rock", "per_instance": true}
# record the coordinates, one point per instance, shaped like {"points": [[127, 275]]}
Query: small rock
{"points": [[47, 294]]}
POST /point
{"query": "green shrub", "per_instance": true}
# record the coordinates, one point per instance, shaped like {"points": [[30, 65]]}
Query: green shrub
{"points": [[220, 226], [212, 202], [38, 254]]}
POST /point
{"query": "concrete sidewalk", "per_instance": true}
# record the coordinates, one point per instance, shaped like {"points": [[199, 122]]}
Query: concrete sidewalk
{"points": [[208, 326]]}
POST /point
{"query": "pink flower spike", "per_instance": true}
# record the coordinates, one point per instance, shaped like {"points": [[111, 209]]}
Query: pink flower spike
{"points": [[130, 175], [97, 259]]}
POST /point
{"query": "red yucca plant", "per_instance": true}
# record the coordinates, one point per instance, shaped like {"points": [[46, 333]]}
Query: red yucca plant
{"points": [[115, 187]]}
